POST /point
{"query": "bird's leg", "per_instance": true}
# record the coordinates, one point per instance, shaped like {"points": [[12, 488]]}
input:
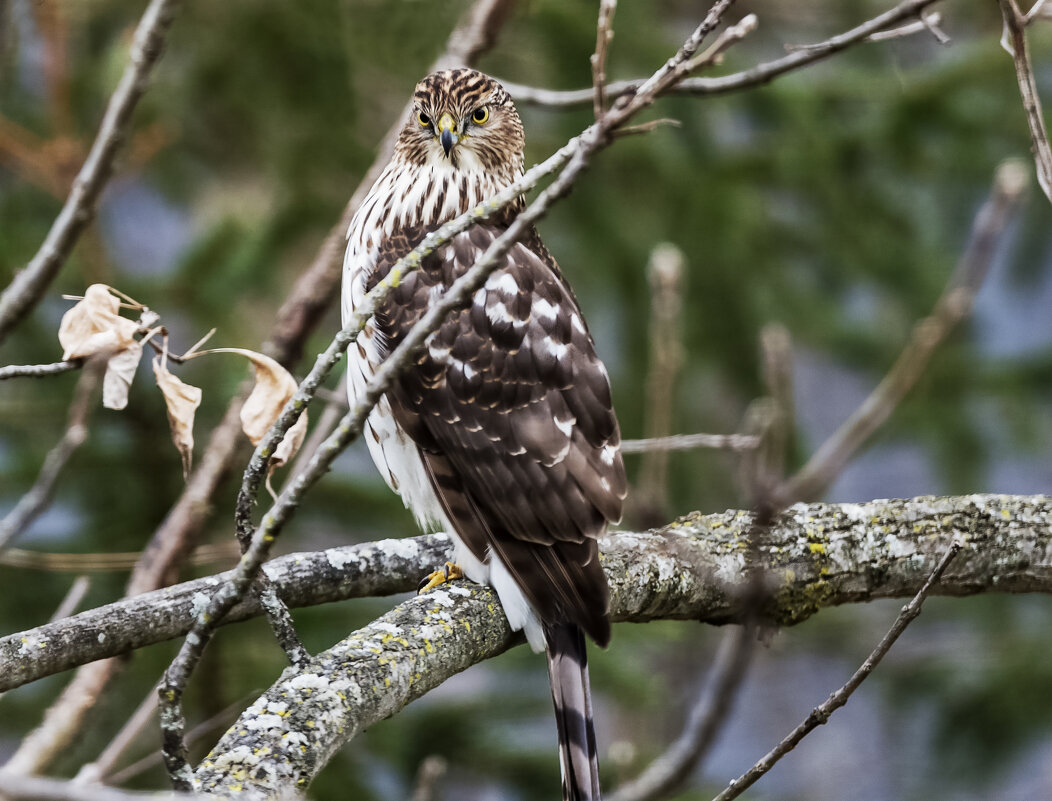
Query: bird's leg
{"points": [[430, 581]]}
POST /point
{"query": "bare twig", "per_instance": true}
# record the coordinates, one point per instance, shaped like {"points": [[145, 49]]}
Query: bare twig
{"points": [[14, 787], [28, 286], [72, 599], [953, 305], [665, 273], [821, 713], [603, 35], [669, 771], [688, 442], [220, 719], [107, 562], [1013, 40], [1039, 10], [62, 719], [578, 152], [38, 370], [929, 21], [428, 776], [31, 504], [755, 76], [95, 772]]}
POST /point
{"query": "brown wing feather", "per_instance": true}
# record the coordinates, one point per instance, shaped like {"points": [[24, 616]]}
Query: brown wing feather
{"points": [[511, 408]]}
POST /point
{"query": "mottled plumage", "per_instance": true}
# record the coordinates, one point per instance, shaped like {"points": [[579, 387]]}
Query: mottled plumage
{"points": [[503, 432]]}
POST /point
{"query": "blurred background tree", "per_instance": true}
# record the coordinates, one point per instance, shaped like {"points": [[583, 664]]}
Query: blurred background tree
{"points": [[834, 201]]}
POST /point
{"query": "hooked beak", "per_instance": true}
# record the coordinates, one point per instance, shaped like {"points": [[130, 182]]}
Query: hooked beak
{"points": [[446, 132]]}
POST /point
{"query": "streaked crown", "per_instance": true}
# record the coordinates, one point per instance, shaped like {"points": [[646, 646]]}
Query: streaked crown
{"points": [[467, 119]]}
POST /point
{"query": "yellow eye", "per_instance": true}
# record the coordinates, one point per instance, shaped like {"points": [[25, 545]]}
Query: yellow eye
{"points": [[480, 115], [423, 119]]}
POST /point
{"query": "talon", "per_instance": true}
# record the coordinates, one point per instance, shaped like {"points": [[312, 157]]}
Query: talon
{"points": [[451, 572]]}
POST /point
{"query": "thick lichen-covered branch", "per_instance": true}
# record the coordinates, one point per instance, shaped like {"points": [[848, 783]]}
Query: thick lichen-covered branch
{"points": [[697, 568], [815, 555]]}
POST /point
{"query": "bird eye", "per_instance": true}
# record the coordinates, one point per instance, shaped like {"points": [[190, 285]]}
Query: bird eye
{"points": [[423, 119], [480, 115]]}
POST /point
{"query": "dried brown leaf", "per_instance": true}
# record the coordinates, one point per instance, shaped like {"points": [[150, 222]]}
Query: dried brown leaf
{"points": [[274, 386], [182, 401], [93, 325], [120, 370], [290, 443]]}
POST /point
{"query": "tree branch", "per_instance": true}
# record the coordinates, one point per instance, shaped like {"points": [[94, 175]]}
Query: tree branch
{"points": [[813, 557], [38, 370], [15, 787], [952, 306], [28, 286], [1014, 42], [702, 581], [821, 713], [755, 76]]}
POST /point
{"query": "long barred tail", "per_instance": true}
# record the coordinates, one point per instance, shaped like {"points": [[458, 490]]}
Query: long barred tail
{"points": [[568, 671]]}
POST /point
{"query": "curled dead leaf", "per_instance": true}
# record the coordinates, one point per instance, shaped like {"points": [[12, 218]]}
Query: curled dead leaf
{"points": [[94, 324], [120, 370], [182, 401], [274, 386]]}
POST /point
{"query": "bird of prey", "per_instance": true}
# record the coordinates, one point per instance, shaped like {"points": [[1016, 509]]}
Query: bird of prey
{"points": [[502, 432]]}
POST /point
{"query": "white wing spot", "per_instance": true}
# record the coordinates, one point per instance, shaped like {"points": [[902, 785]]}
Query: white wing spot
{"points": [[577, 323], [606, 456], [543, 310], [498, 313], [504, 283], [566, 426], [558, 350]]}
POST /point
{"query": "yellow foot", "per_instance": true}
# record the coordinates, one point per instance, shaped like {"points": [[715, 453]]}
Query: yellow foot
{"points": [[432, 580]]}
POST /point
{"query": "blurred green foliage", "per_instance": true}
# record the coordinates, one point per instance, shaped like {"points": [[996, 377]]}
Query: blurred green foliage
{"points": [[835, 200]]}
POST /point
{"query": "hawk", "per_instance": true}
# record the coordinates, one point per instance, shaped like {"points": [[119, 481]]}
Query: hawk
{"points": [[502, 433]]}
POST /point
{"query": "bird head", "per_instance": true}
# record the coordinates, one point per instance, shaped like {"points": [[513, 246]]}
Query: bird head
{"points": [[463, 118]]}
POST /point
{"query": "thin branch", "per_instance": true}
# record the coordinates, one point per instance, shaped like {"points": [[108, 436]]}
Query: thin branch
{"points": [[29, 286], [97, 771], [220, 719], [929, 21], [821, 713], [14, 787], [687, 442], [755, 76], [428, 776], [38, 497], [38, 370], [107, 562], [1039, 10], [603, 35], [668, 772], [1013, 40], [953, 305], [665, 272], [62, 719], [72, 599]]}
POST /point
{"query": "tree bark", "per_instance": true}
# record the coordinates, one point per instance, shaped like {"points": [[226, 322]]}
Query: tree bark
{"points": [[696, 568]]}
